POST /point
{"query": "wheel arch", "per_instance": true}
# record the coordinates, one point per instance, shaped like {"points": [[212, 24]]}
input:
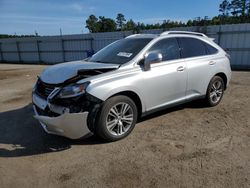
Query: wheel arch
{"points": [[224, 78], [135, 97]]}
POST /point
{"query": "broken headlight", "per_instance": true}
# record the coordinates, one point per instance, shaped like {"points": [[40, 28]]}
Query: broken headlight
{"points": [[73, 90]]}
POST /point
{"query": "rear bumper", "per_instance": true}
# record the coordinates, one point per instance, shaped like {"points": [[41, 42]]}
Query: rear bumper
{"points": [[70, 125]]}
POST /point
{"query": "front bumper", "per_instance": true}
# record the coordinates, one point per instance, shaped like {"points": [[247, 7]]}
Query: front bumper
{"points": [[70, 125]]}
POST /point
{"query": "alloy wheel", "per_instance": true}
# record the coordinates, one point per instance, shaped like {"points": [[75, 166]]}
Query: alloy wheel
{"points": [[119, 119], [216, 91]]}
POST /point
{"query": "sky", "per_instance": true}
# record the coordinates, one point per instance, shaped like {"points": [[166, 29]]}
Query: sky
{"points": [[46, 17]]}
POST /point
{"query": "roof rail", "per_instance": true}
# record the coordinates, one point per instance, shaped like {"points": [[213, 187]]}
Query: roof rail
{"points": [[183, 32], [142, 35], [131, 36]]}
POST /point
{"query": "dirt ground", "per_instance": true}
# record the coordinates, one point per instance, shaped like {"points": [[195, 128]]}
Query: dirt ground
{"points": [[186, 146]]}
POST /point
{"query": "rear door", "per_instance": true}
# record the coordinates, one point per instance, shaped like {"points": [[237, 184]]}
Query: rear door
{"points": [[200, 62]]}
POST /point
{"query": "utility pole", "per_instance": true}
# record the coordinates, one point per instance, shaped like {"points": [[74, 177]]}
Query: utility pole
{"points": [[60, 31]]}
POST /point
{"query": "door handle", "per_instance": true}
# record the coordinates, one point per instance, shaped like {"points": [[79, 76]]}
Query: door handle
{"points": [[180, 69], [212, 63]]}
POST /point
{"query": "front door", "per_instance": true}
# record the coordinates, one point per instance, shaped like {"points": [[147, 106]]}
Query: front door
{"points": [[165, 83]]}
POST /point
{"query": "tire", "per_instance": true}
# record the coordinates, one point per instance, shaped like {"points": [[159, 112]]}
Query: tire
{"points": [[215, 91], [112, 124]]}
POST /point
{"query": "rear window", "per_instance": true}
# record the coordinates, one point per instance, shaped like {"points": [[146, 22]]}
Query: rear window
{"points": [[210, 49]]}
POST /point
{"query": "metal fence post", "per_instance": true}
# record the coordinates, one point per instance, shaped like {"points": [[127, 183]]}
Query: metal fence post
{"points": [[92, 45], [219, 35], [38, 51], [18, 52], [63, 50], [1, 52]]}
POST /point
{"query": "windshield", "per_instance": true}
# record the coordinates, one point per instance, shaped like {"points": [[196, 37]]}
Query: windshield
{"points": [[121, 51]]}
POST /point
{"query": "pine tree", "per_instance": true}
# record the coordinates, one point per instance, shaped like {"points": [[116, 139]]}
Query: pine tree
{"points": [[248, 7], [106, 24], [120, 20], [91, 24], [224, 7], [239, 7], [130, 25]]}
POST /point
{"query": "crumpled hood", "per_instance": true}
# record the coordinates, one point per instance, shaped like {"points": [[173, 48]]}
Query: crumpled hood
{"points": [[59, 73]]}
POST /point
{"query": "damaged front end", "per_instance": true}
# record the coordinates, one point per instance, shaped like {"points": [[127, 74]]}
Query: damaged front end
{"points": [[67, 114]]}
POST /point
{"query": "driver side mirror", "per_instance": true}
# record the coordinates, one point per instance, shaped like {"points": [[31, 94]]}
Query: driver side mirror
{"points": [[151, 58]]}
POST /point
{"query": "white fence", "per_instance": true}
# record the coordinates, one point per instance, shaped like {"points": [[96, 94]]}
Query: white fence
{"points": [[235, 39]]}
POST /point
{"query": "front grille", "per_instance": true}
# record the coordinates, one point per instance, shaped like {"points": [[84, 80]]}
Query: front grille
{"points": [[44, 89], [46, 112]]}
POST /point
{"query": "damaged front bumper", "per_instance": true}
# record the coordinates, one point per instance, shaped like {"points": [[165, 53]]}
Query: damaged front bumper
{"points": [[70, 125]]}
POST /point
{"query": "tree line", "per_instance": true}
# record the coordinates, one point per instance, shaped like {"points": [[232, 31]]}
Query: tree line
{"points": [[2, 36], [231, 12]]}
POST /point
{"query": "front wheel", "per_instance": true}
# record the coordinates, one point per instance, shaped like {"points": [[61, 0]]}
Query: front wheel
{"points": [[215, 91], [117, 118]]}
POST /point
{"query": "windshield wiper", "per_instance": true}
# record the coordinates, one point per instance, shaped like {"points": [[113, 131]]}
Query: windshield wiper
{"points": [[103, 62]]}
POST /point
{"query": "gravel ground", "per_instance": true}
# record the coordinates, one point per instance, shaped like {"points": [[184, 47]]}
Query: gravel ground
{"points": [[186, 146]]}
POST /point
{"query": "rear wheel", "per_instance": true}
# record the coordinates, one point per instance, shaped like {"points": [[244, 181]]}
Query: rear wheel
{"points": [[215, 91], [117, 118]]}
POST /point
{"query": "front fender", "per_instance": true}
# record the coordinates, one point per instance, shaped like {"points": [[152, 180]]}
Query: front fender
{"points": [[104, 92]]}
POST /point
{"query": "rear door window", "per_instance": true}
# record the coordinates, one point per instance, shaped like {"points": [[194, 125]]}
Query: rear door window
{"points": [[191, 47]]}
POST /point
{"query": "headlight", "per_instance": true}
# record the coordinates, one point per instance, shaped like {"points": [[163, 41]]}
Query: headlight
{"points": [[73, 90]]}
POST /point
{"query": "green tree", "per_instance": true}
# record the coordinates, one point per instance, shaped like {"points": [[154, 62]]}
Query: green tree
{"points": [[92, 24], [106, 24], [244, 7], [190, 23], [248, 8], [216, 20], [231, 12], [130, 25], [234, 7], [120, 21], [239, 7], [225, 7]]}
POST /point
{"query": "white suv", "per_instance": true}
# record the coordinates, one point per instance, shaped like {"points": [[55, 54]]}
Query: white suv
{"points": [[130, 78]]}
